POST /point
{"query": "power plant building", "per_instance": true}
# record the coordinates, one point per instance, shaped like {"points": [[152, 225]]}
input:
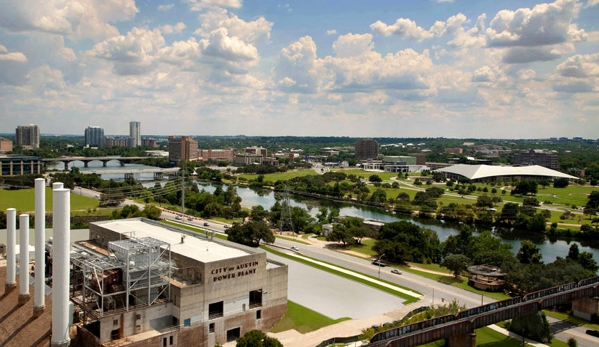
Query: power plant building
{"points": [[159, 285]]}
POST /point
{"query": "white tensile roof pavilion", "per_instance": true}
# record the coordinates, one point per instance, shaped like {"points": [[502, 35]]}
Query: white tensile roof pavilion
{"points": [[486, 172]]}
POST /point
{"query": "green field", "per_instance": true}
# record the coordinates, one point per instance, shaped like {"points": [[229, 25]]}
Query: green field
{"points": [[280, 176], [303, 320], [24, 200]]}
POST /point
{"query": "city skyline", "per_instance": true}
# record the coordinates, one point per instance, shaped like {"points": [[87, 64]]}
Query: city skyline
{"points": [[443, 68]]}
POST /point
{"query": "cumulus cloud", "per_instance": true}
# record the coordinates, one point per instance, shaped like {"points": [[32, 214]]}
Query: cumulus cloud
{"points": [[198, 5], [331, 32], [12, 67], [573, 87], [353, 44], [223, 46], [402, 27], [544, 24], [173, 29], [297, 69], [520, 55], [132, 54], [76, 19], [221, 18], [165, 8], [580, 66], [483, 74]]}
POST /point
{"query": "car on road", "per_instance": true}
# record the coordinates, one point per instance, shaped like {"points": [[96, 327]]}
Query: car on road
{"points": [[378, 263], [396, 271], [178, 217], [206, 224], [227, 226], [190, 218], [293, 248], [592, 332]]}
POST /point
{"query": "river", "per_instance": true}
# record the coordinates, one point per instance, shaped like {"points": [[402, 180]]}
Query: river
{"points": [[550, 249]]}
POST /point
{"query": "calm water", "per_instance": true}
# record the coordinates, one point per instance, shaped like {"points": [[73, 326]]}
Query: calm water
{"points": [[549, 249]]}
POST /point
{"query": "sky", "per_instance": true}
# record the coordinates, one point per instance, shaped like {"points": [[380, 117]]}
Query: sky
{"points": [[358, 68]]}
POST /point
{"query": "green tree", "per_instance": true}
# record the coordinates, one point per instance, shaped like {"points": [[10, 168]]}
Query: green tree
{"points": [[258, 213], [250, 234], [456, 263], [534, 326], [375, 178], [529, 253]]}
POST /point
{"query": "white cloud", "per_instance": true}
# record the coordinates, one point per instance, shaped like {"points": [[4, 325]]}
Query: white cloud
{"points": [[223, 46], [520, 55], [544, 24], [331, 32], [403, 27], [165, 8], [297, 69], [12, 67], [76, 19], [591, 3], [580, 66], [197, 5], [483, 74], [173, 29], [353, 44], [247, 31]]}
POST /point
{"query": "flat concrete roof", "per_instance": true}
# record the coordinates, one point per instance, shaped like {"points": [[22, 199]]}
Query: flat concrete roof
{"points": [[200, 249]]}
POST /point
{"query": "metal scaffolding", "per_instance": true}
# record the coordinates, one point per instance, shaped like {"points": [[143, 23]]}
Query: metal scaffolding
{"points": [[133, 272]]}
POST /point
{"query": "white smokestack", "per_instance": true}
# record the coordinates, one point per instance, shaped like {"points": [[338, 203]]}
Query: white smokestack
{"points": [[24, 259], [39, 301], [60, 267], [11, 240]]}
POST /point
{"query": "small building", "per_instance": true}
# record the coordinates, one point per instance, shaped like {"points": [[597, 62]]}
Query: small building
{"points": [[486, 277], [15, 165]]}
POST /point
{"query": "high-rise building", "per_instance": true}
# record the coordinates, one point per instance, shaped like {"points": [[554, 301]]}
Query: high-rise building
{"points": [[94, 136], [135, 133], [182, 148], [28, 136], [367, 149]]}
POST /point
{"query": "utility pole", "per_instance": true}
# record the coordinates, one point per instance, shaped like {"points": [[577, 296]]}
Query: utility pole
{"points": [[183, 188]]}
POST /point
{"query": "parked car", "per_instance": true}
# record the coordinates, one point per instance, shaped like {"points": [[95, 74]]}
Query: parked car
{"points": [[189, 218], [177, 217], [396, 271], [593, 332], [293, 248], [206, 224], [227, 226]]}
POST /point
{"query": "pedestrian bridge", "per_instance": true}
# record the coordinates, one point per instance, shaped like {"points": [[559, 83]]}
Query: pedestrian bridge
{"points": [[86, 160], [459, 329]]}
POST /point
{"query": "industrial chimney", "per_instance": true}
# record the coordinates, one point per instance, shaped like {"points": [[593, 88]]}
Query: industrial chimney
{"points": [[24, 260], [39, 301], [60, 267], [11, 237]]}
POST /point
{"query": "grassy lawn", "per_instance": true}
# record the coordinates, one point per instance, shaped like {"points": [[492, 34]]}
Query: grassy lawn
{"points": [[303, 320], [365, 248], [431, 267], [294, 239], [24, 200], [280, 176]]}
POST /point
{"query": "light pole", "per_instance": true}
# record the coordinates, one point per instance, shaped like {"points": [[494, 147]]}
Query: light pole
{"points": [[379, 263]]}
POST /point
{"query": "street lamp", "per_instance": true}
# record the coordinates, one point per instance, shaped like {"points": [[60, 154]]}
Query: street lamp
{"points": [[379, 262]]}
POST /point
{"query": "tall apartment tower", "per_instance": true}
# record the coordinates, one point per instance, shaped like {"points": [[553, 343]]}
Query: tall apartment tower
{"points": [[28, 136], [182, 148], [135, 133], [367, 149], [94, 136]]}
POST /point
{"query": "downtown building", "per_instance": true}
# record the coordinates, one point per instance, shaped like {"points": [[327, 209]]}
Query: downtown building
{"points": [[366, 149], [182, 148], [94, 136], [135, 133], [28, 136], [539, 157]]}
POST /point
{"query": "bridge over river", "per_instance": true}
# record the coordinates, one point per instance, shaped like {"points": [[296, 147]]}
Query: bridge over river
{"points": [[459, 329], [87, 160]]}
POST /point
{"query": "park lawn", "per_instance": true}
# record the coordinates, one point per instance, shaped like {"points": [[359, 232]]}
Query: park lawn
{"points": [[280, 176], [487, 337], [303, 320], [293, 239], [431, 267], [364, 248], [24, 200]]}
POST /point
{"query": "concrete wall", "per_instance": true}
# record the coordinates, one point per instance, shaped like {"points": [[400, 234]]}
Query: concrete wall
{"points": [[584, 308], [128, 324]]}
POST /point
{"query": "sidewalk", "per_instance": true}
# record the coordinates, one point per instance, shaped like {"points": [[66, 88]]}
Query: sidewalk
{"points": [[516, 336]]}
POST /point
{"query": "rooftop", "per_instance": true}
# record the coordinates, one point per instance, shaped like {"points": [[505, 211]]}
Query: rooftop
{"points": [[201, 249], [483, 171]]}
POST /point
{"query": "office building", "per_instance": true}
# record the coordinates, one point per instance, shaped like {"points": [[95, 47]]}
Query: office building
{"points": [[218, 154], [28, 136], [5, 145], [94, 136], [149, 142], [118, 141], [539, 157], [182, 148], [366, 149], [256, 150], [15, 165], [135, 133]]}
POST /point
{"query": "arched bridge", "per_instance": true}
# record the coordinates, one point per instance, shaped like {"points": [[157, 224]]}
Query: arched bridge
{"points": [[459, 328], [87, 160]]}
